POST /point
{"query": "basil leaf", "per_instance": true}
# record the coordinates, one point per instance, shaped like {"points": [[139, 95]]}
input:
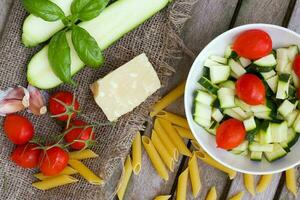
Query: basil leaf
{"points": [[44, 9], [86, 47], [59, 57], [87, 9]]}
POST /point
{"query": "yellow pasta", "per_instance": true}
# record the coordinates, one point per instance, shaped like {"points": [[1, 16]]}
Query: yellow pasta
{"points": [[162, 197], [238, 196], [290, 178], [210, 161], [166, 140], [175, 137], [155, 158], [249, 183], [212, 194], [125, 178], [194, 175], [86, 172], [174, 119], [264, 182], [84, 154], [162, 151], [196, 145], [183, 132], [54, 182], [168, 99], [137, 154], [67, 171], [182, 185]]}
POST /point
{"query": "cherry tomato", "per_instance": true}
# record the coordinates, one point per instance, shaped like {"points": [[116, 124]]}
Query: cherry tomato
{"points": [[253, 44], [26, 155], [18, 129], [63, 106], [85, 134], [53, 161], [250, 89], [297, 65], [231, 133]]}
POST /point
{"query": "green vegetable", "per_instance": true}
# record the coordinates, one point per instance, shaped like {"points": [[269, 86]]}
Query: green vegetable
{"points": [[44, 9], [88, 9], [86, 47], [59, 56]]}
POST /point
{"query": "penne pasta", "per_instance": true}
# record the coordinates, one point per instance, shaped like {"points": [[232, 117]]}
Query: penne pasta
{"points": [[184, 133], [238, 196], [290, 178], [85, 172], [84, 154], [67, 171], [166, 140], [54, 182], [162, 197], [196, 145], [182, 185], [212, 194], [194, 175], [125, 178], [155, 158], [173, 118], [264, 182], [249, 183], [168, 99], [210, 161], [137, 154], [162, 151], [175, 137]]}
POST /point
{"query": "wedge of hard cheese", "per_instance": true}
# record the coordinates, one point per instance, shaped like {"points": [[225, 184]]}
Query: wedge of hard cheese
{"points": [[125, 88]]}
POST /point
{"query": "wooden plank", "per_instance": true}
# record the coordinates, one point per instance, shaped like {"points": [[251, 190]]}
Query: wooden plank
{"points": [[4, 10]]}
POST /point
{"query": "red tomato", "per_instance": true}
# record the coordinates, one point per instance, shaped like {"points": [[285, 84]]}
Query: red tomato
{"points": [[84, 134], [231, 133], [63, 106], [297, 65], [250, 89], [253, 44], [53, 161], [26, 155], [18, 129]]}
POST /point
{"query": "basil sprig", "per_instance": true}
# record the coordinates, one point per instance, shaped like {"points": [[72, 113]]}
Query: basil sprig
{"points": [[44, 9], [86, 47], [59, 57], [87, 9]]}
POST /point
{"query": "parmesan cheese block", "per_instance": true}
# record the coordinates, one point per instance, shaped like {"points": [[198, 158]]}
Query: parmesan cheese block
{"points": [[125, 88]]}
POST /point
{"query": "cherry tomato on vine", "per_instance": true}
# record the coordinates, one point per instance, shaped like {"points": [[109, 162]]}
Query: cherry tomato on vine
{"points": [[26, 155], [18, 129], [230, 134], [251, 89], [253, 44], [53, 161], [83, 133]]}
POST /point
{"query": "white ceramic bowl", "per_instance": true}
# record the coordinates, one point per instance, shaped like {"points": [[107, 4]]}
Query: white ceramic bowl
{"points": [[281, 37]]}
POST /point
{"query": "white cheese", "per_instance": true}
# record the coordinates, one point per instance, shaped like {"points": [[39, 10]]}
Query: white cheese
{"points": [[125, 88]]}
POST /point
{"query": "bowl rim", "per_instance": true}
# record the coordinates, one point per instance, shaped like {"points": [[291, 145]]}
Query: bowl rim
{"points": [[186, 97]]}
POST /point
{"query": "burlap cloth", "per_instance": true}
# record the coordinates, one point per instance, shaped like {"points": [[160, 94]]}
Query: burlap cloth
{"points": [[156, 37]]}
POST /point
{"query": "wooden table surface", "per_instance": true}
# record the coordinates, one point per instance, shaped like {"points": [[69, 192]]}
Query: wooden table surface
{"points": [[209, 19]]}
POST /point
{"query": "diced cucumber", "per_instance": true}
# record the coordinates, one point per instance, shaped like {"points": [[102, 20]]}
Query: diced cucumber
{"points": [[202, 110], [226, 98], [279, 131], [229, 53], [201, 121], [244, 153], [236, 67], [217, 115], [256, 138], [266, 64], [212, 128], [282, 60], [292, 92], [219, 73], [293, 50], [292, 137], [205, 72], [260, 108], [246, 107], [207, 84], [285, 146], [265, 135], [228, 84], [209, 63], [219, 59], [264, 115], [245, 62], [204, 97], [277, 153], [295, 79], [233, 75], [268, 75], [283, 86], [286, 108], [261, 147], [249, 124], [291, 117], [242, 147], [237, 152], [240, 112], [256, 155], [231, 113], [272, 83], [296, 124]]}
